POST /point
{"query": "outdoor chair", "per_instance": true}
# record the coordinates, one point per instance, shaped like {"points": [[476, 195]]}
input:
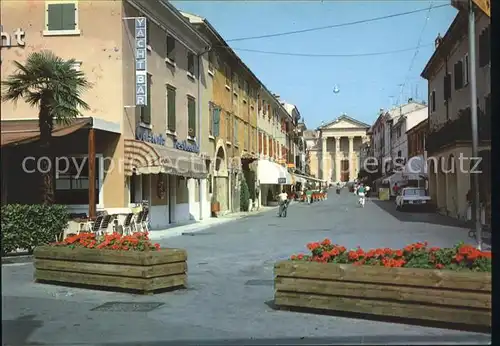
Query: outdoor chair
{"points": [[137, 221], [95, 225], [145, 221], [103, 227], [127, 224]]}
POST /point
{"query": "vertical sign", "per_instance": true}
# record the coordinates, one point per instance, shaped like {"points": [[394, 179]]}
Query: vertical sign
{"points": [[141, 77]]}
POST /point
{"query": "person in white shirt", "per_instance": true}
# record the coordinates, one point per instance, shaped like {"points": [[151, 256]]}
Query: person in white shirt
{"points": [[283, 200]]}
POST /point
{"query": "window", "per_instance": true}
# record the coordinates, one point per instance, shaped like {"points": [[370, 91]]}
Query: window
{"points": [[245, 88], [466, 69], [171, 116], [260, 142], [447, 87], [399, 153], [190, 67], [458, 72], [484, 47], [211, 108], [228, 127], [214, 120], [235, 132], [433, 101], [227, 73], [72, 186], [170, 48], [264, 107], [235, 83], [62, 18], [145, 111], [245, 138], [211, 62], [191, 117]]}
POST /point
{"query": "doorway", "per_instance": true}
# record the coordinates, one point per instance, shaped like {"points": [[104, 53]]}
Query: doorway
{"points": [[171, 200], [344, 170]]}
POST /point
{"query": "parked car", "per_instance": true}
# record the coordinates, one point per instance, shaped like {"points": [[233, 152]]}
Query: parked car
{"points": [[412, 196]]}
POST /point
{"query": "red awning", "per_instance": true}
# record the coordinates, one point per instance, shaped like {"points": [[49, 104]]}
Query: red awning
{"points": [[24, 131]]}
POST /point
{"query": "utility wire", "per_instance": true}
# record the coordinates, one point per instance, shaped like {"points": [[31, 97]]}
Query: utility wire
{"points": [[333, 26], [331, 55], [417, 50]]}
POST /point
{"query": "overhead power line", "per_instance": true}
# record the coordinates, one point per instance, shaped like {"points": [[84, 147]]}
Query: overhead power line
{"points": [[334, 25], [417, 49], [331, 55]]}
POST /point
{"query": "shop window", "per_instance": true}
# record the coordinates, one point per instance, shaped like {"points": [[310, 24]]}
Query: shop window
{"points": [[72, 185]]}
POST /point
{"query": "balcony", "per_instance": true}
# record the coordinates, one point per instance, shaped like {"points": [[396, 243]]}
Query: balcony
{"points": [[458, 131]]}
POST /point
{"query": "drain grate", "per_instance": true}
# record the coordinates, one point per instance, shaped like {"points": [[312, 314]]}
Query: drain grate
{"points": [[259, 283], [127, 307]]}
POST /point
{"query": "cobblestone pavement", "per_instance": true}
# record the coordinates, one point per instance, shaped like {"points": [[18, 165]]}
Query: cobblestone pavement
{"points": [[230, 287]]}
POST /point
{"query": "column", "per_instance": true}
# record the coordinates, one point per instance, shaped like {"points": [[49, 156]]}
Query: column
{"points": [[191, 185], [337, 159], [204, 205], [324, 154], [92, 174], [351, 159]]}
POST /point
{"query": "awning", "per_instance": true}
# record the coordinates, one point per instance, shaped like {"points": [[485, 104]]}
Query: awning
{"points": [[148, 158], [271, 173], [306, 178], [299, 179], [24, 131]]}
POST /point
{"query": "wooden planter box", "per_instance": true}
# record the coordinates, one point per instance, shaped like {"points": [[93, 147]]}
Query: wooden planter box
{"points": [[130, 270], [423, 294]]}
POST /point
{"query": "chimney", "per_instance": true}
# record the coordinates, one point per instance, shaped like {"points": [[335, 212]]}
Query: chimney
{"points": [[438, 41], [276, 96]]}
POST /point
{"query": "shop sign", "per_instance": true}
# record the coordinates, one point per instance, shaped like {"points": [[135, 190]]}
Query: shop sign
{"points": [[281, 180], [141, 77], [186, 146], [145, 135]]}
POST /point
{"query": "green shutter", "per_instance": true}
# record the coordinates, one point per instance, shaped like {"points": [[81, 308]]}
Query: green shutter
{"points": [[171, 109], [68, 16], [192, 117], [216, 122], [54, 17]]}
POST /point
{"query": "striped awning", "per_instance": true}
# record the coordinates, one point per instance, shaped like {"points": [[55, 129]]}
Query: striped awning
{"points": [[147, 158]]}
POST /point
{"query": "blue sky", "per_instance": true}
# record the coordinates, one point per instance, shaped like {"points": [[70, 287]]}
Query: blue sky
{"points": [[366, 83]]}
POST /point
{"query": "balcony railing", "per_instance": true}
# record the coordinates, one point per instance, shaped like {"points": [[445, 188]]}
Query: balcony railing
{"points": [[459, 130]]}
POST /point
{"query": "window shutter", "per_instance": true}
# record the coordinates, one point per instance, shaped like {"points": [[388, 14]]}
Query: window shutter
{"points": [[191, 117], [216, 120], [55, 15], [68, 16], [171, 118], [433, 98]]}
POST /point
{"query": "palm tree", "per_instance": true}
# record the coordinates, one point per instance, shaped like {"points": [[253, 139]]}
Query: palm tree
{"points": [[51, 84]]}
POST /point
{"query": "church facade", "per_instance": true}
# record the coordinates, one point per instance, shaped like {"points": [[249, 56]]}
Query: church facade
{"points": [[335, 152]]}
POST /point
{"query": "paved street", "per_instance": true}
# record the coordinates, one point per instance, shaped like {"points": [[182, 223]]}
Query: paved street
{"points": [[230, 282]]}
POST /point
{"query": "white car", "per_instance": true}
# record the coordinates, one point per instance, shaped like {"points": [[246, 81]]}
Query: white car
{"points": [[412, 196]]}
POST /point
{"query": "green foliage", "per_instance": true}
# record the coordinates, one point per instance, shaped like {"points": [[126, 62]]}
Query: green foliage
{"points": [[28, 226], [244, 195], [49, 82]]}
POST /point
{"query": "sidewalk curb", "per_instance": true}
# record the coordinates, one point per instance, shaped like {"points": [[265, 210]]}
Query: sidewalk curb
{"points": [[173, 232], [17, 259]]}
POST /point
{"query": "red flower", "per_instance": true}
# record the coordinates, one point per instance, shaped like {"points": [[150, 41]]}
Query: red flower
{"points": [[439, 266]]}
